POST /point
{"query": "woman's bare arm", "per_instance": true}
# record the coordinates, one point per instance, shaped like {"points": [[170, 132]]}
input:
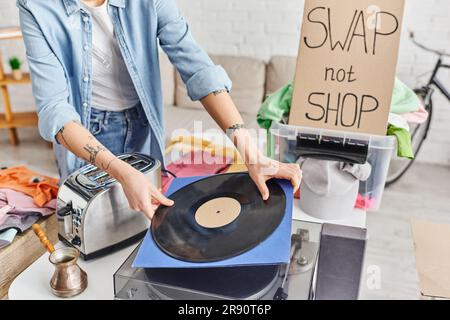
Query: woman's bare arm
{"points": [[138, 189], [82, 143], [222, 109]]}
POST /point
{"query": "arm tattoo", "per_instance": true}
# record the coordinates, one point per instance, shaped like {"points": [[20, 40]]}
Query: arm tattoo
{"points": [[61, 132], [237, 126], [106, 167], [93, 152], [217, 92]]}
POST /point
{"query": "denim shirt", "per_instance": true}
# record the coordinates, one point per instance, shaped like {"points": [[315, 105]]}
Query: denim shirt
{"points": [[58, 41]]}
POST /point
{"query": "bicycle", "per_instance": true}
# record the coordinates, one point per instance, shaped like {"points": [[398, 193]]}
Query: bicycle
{"points": [[419, 132]]}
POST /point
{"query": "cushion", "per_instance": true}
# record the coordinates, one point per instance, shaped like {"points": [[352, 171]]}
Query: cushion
{"points": [[167, 79], [248, 77], [280, 71]]}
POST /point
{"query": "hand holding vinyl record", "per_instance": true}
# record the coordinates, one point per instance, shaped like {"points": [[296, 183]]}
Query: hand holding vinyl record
{"points": [[262, 168], [142, 195]]}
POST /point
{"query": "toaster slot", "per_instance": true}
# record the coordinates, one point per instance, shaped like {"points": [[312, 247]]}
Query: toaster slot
{"points": [[104, 178], [93, 178], [136, 162], [140, 165]]}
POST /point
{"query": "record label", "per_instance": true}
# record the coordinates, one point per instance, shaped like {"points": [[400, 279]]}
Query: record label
{"points": [[218, 212]]}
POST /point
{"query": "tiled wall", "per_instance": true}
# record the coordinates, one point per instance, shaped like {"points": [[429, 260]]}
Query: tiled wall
{"points": [[263, 28]]}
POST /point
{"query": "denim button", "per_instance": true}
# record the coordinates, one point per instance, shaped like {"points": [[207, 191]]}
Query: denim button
{"points": [[85, 79], [85, 19], [85, 104], [86, 48]]}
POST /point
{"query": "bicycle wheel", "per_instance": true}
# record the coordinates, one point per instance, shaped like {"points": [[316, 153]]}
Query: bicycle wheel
{"points": [[399, 166]]}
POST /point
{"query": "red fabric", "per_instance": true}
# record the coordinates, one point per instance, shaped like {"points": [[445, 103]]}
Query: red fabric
{"points": [[364, 202], [199, 163]]}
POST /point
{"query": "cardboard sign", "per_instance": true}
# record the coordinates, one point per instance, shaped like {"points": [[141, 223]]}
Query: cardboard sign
{"points": [[346, 64]]}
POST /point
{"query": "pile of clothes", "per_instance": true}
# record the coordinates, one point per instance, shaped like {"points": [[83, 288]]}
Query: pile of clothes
{"points": [[25, 196], [406, 108], [192, 156]]}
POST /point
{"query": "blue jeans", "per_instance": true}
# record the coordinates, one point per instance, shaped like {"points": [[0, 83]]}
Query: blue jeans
{"points": [[120, 132]]}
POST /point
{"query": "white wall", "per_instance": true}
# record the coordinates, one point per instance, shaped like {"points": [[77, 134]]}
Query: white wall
{"points": [[262, 28]]}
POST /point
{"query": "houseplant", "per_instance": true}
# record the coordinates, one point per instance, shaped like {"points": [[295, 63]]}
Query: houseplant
{"points": [[15, 64]]}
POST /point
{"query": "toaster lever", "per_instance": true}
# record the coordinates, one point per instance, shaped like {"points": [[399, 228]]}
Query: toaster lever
{"points": [[76, 241], [66, 210], [65, 213]]}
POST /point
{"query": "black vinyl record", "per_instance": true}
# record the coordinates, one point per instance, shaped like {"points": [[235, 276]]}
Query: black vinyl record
{"points": [[217, 218]]}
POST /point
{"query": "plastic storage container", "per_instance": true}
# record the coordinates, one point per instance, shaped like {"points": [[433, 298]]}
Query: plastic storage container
{"points": [[291, 143]]}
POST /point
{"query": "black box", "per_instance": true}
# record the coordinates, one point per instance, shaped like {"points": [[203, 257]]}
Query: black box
{"points": [[340, 262]]}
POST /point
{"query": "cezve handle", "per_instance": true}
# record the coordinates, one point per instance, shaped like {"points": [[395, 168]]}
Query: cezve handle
{"points": [[43, 237]]}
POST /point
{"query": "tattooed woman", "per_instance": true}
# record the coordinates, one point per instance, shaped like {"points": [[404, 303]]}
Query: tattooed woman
{"points": [[96, 82]]}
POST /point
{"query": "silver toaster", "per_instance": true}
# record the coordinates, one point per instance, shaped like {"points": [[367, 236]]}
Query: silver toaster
{"points": [[93, 212]]}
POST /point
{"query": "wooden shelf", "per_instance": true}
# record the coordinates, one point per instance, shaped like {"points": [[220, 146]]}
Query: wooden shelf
{"points": [[10, 33], [11, 120], [9, 80], [20, 120]]}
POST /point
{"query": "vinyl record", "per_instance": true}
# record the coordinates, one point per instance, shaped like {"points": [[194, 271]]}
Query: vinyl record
{"points": [[217, 218]]}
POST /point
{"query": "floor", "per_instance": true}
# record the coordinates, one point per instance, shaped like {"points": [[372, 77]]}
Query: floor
{"points": [[423, 192]]}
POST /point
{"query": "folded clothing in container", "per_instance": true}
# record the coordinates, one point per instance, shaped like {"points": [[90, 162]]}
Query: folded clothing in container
{"points": [[276, 107]]}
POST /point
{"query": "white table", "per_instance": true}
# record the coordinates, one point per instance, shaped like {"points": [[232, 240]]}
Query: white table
{"points": [[33, 283]]}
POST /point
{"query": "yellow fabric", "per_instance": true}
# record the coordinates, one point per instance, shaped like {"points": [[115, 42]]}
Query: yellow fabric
{"points": [[236, 167], [186, 144]]}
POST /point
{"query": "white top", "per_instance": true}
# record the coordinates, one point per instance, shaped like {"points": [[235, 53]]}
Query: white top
{"points": [[112, 87]]}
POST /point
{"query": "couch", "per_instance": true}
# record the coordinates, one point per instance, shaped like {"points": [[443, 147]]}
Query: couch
{"points": [[252, 80]]}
